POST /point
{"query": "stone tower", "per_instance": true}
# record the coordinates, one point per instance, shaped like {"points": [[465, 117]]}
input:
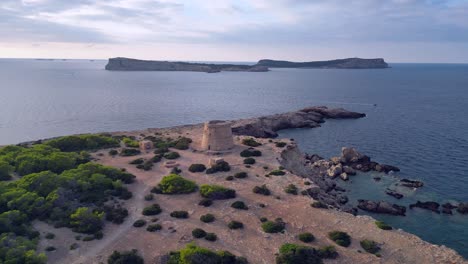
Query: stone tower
{"points": [[217, 136]]}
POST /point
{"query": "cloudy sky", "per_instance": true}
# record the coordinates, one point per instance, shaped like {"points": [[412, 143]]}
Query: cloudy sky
{"points": [[228, 30]]}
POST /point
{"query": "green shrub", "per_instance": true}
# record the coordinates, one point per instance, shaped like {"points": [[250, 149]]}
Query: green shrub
{"points": [[88, 238], [149, 197], [113, 152], [153, 227], [83, 142], [179, 214], [176, 170], [50, 236], [137, 161], [229, 178], [85, 220], [197, 168], [216, 192], [207, 218], [147, 165], [129, 152], [307, 183], [295, 254], [211, 237], [291, 189], [171, 155], [219, 167], [193, 254], [250, 153], [383, 225], [205, 202], [277, 173], [340, 238], [153, 209], [74, 246], [50, 248], [328, 252], [130, 143], [139, 223], [115, 214], [198, 233], [175, 184], [250, 142], [182, 143], [261, 190], [274, 226], [263, 219], [156, 158], [239, 205], [241, 175], [249, 161], [235, 225], [306, 237], [126, 257], [318, 204], [280, 144], [161, 150], [370, 246]]}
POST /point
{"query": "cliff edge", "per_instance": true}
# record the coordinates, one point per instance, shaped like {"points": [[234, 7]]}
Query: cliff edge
{"points": [[349, 63]]}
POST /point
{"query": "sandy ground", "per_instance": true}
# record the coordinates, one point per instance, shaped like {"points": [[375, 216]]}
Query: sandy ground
{"points": [[250, 242]]}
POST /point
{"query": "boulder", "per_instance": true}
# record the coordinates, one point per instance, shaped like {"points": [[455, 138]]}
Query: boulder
{"points": [[433, 206], [313, 158], [344, 176], [335, 170], [463, 208], [386, 168], [394, 193], [335, 160], [351, 155], [411, 183], [381, 207], [349, 170]]}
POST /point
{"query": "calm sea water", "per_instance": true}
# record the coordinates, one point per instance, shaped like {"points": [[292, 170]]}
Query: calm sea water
{"points": [[419, 122]]}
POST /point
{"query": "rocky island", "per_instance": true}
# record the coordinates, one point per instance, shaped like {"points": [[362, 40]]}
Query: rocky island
{"points": [[197, 194], [349, 63]]}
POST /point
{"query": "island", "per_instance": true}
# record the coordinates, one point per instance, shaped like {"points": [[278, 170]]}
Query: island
{"points": [[349, 63]]}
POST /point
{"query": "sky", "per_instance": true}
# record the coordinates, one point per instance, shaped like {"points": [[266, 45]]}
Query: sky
{"points": [[228, 30]]}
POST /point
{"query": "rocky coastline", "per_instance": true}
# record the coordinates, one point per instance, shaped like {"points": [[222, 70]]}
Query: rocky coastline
{"points": [[349, 63]]}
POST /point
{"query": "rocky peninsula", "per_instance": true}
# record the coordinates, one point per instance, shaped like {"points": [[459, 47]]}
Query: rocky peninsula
{"points": [[349, 63], [127, 64]]}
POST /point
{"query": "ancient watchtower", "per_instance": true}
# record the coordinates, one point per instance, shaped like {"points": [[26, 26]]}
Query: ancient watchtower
{"points": [[217, 136]]}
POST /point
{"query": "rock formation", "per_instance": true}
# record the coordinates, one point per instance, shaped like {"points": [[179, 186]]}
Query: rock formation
{"points": [[381, 207], [433, 206], [411, 183], [350, 63]]}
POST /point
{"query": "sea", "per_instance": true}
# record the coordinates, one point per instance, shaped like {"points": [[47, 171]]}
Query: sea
{"points": [[417, 119]]}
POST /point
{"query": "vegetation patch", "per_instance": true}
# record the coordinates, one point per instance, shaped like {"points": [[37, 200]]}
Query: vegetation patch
{"points": [[274, 226], [197, 168], [176, 184], [139, 223], [263, 190], [156, 158], [125, 257], [153, 209], [149, 197], [113, 152], [211, 237], [129, 152], [250, 142], [86, 220], [198, 233], [280, 144], [83, 142], [293, 253], [277, 172], [171, 155], [249, 161], [130, 143], [219, 167], [250, 153], [207, 218], [229, 178], [306, 237], [115, 214], [235, 225], [50, 236], [370, 246], [193, 254], [318, 204], [383, 225], [137, 161], [328, 252], [205, 202], [153, 227], [239, 205], [182, 143], [216, 192], [179, 214], [241, 175], [340, 238], [291, 189]]}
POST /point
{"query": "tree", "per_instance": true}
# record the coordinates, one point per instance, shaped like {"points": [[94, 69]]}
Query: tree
{"points": [[5, 170], [84, 220]]}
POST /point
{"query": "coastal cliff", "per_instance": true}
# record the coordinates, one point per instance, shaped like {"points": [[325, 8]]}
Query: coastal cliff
{"points": [[349, 63], [126, 64]]}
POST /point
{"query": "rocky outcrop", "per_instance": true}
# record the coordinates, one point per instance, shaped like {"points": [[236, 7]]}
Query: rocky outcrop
{"points": [[394, 193], [267, 126], [381, 207], [350, 157], [349, 63], [447, 208], [433, 206], [126, 64], [411, 183], [463, 208]]}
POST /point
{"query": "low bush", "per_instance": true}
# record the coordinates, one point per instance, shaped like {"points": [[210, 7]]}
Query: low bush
{"points": [[50, 248], [153, 209], [113, 152], [176, 170], [306, 237], [161, 150], [205, 202], [171, 155], [115, 214], [179, 214], [250, 142], [241, 175], [198, 233], [235, 225], [50, 236], [274, 226], [193, 254], [277, 173], [197, 168], [291, 189], [383, 225], [263, 219], [304, 192], [129, 152], [249, 161], [261, 190], [216, 192], [229, 178], [74, 246], [370, 246], [182, 143], [130, 143], [153, 227], [239, 205], [137, 161], [156, 158], [125, 257], [211, 237], [219, 167], [207, 218], [318, 204], [307, 183], [280, 144], [328, 252], [149, 197], [139, 223], [250, 153], [88, 238], [175, 184], [340, 238], [295, 254]]}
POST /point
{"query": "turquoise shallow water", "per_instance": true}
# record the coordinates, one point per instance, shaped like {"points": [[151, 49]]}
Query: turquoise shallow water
{"points": [[419, 123]]}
